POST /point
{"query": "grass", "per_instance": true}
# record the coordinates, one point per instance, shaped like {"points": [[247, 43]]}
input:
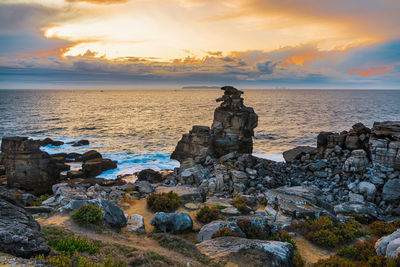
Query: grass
{"points": [[165, 202], [242, 204], [283, 236], [224, 231]]}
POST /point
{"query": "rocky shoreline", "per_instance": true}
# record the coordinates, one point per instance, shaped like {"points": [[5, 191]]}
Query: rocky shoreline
{"points": [[353, 174]]}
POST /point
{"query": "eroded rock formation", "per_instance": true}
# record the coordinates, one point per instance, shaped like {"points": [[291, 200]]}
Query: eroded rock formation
{"points": [[385, 144], [231, 131], [27, 167]]}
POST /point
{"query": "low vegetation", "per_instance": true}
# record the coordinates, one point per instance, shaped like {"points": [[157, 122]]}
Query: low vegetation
{"points": [[224, 231], [88, 214], [208, 214], [283, 236], [165, 202], [253, 231], [380, 229], [324, 232], [242, 204]]}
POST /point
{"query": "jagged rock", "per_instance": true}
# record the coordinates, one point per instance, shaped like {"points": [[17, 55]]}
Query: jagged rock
{"points": [[194, 175], [389, 246], [92, 154], [19, 232], [94, 167], [231, 131], [209, 229], [144, 187], [150, 175], [136, 224], [81, 143], [367, 189], [296, 152], [349, 208], [49, 141], [28, 199], [357, 162], [27, 167], [113, 215], [172, 222], [187, 193], [239, 177], [279, 253], [191, 144], [385, 144], [391, 190]]}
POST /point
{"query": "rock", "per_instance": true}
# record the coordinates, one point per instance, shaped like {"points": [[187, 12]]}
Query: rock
{"points": [[172, 222], [49, 141], [136, 224], [191, 206], [39, 209], [194, 175], [28, 199], [81, 143], [144, 187], [367, 189], [209, 229], [389, 246], [230, 211], [317, 166], [231, 131], [92, 154], [74, 157], [279, 254], [239, 177], [295, 153], [113, 215], [150, 176], [2, 170], [385, 144], [357, 162], [75, 174], [27, 167], [349, 208], [191, 144], [391, 190], [356, 198], [19, 232], [329, 140], [187, 193], [94, 167]]}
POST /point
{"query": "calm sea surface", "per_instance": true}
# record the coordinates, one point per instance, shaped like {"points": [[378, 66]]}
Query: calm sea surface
{"points": [[140, 128]]}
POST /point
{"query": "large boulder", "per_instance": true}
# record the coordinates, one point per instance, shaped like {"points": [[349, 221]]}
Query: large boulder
{"points": [[391, 190], [351, 208], [389, 246], [150, 175], [186, 193], [19, 232], [136, 224], [280, 254], [27, 167], [172, 222], [94, 167], [357, 162]]}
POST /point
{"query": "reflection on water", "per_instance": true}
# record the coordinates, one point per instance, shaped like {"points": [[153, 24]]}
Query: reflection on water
{"points": [[150, 122]]}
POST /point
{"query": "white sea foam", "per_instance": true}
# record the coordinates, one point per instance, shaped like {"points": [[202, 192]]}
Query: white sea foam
{"points": [[275, 156]]}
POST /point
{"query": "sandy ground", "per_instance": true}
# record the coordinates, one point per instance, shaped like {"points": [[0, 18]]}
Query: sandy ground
{"points": [[310, 252]]}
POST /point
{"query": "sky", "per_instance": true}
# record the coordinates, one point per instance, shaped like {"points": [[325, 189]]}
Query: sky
{"points": [[175, 43]]}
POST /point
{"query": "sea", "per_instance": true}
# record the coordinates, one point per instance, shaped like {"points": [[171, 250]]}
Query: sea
{"points": [[140, 128]]}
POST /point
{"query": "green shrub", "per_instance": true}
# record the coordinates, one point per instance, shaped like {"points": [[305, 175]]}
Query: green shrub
{"points": [[298, 260], [335, 261], [72, 244], [88, 214], [380, 229], [44, 197], [283, 236], [264, 202], [224, 231], [165, 202], [242, 204], [253, 231], [207, 214], [324, 232]]}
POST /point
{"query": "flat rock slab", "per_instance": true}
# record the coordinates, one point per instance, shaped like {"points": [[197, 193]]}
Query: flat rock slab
{"points": [[187, 193], [280, 253]]}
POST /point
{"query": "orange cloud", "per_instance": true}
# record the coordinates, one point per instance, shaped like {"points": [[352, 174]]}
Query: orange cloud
{"points": [[101, 2], [371, 71], [300, 58]]}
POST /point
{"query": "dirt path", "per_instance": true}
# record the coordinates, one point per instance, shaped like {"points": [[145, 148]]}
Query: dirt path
{"points": [[140, 242], [310, 252]]}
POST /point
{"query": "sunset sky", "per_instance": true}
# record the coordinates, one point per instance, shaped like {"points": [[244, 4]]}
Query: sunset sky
{"points": [[174, 43]]}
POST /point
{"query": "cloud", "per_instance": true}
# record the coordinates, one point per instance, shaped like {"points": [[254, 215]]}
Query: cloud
{"points": [[266, 67], [371, 71], [100, 2]]}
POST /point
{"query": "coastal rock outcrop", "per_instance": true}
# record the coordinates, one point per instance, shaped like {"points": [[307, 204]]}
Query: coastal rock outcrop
{"points": [[232, 130], [385, 144], [27, 167], [389, 246], [19, 232]]}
